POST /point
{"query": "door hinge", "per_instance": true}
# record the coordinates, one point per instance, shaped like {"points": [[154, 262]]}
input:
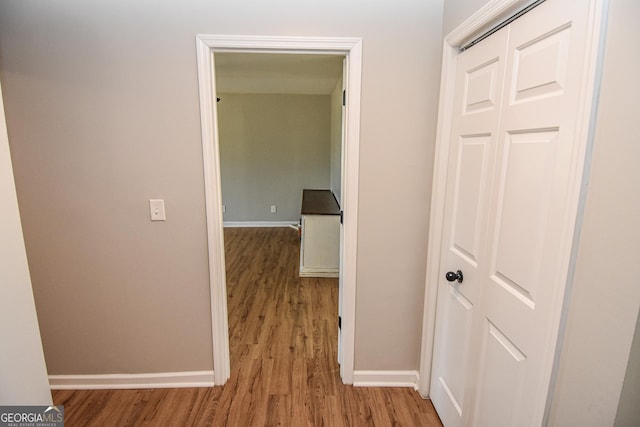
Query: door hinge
{"points": [[341, 217], [339, 322], [344, 97]]}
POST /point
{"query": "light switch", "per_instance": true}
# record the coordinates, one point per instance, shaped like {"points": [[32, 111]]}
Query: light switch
{"points": [[156, 208]]}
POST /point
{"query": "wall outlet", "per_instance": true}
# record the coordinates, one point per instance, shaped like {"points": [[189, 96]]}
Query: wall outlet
{"points": [[273, 208], [224, 208], [156, 209]]}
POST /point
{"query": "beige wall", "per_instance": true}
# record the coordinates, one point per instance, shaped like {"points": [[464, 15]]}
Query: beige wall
{"points": [[603, 309], [271, 147], [102, 112], [457, 11], [23, 374]]}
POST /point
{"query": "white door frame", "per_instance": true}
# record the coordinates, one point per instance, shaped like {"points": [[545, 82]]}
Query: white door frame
{"points": [[490, 14], [206, 46]]}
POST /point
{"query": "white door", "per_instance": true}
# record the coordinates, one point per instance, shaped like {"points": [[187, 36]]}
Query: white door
{"points": [[479, 83], [515, 163], [343, 124]]}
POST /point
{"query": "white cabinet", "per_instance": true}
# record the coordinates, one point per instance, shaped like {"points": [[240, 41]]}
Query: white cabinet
{"points": [[320, 239]]}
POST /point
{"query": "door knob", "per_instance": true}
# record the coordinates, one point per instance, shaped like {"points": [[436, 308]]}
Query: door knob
{"points": [[452, 277]]}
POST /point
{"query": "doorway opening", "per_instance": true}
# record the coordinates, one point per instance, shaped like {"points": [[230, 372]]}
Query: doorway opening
{"points": [[280, 133], [207, 47]]}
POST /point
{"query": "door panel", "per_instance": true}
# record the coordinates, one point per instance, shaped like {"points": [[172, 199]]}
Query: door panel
{"points": [[482, 83], [524, 192], [459, 318], [525, 281], [503, 368], [479, 77], [540, 66], [513, 181], [468, 197], [343, 124]]}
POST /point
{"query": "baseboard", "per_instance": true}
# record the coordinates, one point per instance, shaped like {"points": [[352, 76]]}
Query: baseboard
{"points": [[319, 272], [132, 381], [233, 224], [386, 379]]}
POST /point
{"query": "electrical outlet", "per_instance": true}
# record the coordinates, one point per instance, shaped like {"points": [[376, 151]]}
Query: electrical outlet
{"points": [[273, 208], [224, 208], [156, 209]]}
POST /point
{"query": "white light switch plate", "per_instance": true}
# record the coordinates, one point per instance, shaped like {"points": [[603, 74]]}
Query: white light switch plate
{"points": [[156, 209]]}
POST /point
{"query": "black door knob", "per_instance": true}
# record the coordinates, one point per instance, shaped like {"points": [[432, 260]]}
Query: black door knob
{"points": [[452, 277]]}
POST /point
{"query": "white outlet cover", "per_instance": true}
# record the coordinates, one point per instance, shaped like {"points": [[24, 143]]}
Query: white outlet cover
{"points": [[156, 209]]}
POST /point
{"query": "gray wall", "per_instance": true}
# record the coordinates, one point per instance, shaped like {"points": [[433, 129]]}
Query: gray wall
{"points": [[271, 147], [603, 310], [628, 414], [102, 111], [23, 374]]}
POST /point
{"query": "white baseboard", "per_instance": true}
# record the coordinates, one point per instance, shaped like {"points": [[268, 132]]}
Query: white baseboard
{"points": [[233, 224], [386, 379], [132, 381], [319, 272]]}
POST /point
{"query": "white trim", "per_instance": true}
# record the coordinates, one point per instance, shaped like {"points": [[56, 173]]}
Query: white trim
{"points": [[386, 379], [213, 207], [349, 205], [352, 49], [486, 17], [319, 272], [132, 381], [241, 224]]}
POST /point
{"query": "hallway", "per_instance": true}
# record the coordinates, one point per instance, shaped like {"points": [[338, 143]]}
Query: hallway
{"points": [[283, 336]]}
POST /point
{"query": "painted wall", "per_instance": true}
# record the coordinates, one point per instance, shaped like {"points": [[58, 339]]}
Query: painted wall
{"points": [[603, 311], [23, 374], [457, 11], [336, 142], [271, 147], [628, 414], [102, 111]]}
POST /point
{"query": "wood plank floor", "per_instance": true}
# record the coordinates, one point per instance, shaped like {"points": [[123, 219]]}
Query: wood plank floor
{"points": [[283, 337]]}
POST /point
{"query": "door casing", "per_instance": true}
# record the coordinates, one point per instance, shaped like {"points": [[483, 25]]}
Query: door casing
{"points": [[207, 45], [492, 13]]}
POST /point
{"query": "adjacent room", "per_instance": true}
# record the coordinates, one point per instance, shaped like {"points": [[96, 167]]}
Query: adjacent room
{"points": [[280, 131], [280, 139]]}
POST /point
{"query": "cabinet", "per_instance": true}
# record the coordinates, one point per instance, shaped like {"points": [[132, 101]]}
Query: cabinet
{"points": [[320, 234]]}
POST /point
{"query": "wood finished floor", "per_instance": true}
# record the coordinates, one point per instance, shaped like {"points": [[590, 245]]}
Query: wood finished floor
{"points": [[283, 336]]}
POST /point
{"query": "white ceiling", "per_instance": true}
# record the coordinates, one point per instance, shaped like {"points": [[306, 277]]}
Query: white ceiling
{"points": [[308, 74]]}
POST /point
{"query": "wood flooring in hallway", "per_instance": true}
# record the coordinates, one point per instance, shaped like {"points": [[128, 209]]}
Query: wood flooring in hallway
{"points": [[283, 339]]}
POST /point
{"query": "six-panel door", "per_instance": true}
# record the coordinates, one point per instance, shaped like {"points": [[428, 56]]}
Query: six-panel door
{"points": [[510, 208]]}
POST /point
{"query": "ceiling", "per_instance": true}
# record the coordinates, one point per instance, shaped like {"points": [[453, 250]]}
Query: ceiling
{"points": [[310, 74]]}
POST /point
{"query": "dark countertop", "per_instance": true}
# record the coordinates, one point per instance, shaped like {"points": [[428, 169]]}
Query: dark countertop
{"points": [[319, 202]]}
